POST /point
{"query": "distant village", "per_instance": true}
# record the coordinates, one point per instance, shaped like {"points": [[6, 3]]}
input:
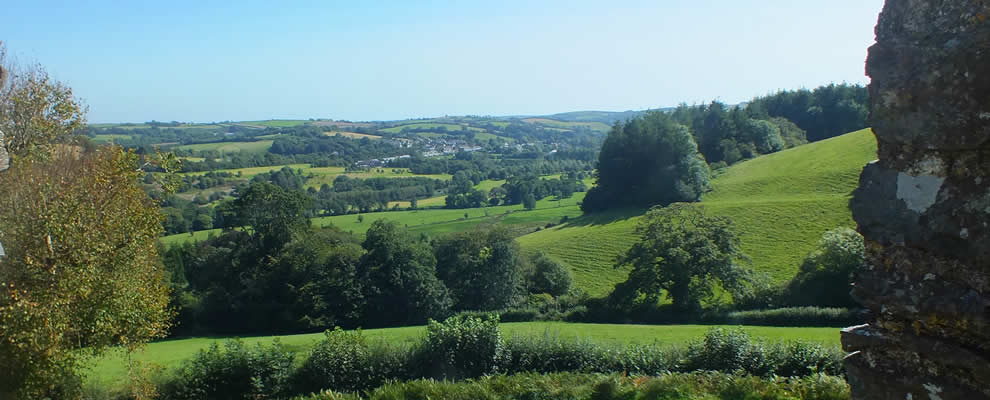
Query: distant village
{"points": [[432, 147]]}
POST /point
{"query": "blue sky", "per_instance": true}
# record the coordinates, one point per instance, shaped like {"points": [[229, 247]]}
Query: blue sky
{"points": [[381, 60]]}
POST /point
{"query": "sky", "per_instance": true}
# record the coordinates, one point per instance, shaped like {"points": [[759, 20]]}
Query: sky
{"points": [[206, 61]]}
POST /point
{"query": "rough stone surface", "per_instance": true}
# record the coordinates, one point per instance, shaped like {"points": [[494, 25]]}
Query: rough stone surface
{"points": [[924, 207]]}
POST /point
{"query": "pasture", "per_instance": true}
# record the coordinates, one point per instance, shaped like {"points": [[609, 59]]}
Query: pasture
{"points": [[352, 135], [595, 126], [259, 146], [781, 204]]}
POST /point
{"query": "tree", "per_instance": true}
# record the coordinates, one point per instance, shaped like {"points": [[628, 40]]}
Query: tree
{"points": [[82, 271], [271, 213], [826, 274], [481, 268], [529, 201], [398, 274], [548, 276], [646, 161], [36, 111], [683, 253]]}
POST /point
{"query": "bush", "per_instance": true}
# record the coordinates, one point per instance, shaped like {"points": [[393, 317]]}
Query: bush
{"points": [[825, 276], [704, 385], [465, 347], [793, 316], [233, 371], [339, 362], [549, 276], [734, 351]]}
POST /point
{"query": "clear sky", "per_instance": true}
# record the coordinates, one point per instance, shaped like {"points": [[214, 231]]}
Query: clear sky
{"points": [[381, 60]]}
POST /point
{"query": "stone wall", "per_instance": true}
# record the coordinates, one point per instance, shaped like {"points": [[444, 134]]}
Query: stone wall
{"points": [[924, 207]]}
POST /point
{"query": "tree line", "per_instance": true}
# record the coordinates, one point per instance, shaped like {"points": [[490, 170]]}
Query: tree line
{"points": [[277, 274]]}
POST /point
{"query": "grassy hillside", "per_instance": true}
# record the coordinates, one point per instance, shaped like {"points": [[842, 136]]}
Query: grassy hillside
{"points": [[595, 126], [260, 146], [110, 371], [781, 204]]}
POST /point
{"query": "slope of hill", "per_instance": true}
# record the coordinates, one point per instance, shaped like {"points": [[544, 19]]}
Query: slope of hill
{"points": [[781, 204]]}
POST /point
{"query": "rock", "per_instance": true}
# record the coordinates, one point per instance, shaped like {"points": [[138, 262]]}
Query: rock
{"points": [[924, 207]]}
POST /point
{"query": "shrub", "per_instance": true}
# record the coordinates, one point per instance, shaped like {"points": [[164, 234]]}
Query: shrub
{"points": [[234, 371], [465, 347], [339, 362], [792, 316], [734, 351], [549, 276], [345, 361], [704, 385], [825, 275]]}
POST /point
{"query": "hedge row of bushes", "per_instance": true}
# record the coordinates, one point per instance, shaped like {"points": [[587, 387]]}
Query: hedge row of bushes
{"points": [[471, 347], [792, 316], [576, 386], [601, 312]]}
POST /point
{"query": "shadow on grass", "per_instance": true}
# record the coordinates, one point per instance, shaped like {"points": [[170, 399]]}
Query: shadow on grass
{"points": [[604, 217]]}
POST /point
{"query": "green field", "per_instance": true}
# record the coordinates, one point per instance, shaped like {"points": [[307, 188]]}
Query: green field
{"points": [[428, 125], [595, 126], [781, 204], [260, 146], [100, 139], [437, 220], [352, 135], [274, 123], [110, 371]]}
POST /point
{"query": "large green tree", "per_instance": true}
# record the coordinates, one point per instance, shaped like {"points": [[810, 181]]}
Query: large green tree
{"points": [[683, 253], [398, 274], [647, 161], [271, 213], [81, 271], [481, 268]]}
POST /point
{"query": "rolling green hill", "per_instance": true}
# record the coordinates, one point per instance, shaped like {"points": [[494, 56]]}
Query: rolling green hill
{"points": [[781, 204]]}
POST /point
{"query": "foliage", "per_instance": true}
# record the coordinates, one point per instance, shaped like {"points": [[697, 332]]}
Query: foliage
{"points": [[570, 386], [826, 274], [481, 268], [465, 347], [792, 316], [684, 253], [37, 112], [81, 270], [398, 272], [548, 276], [234, 371], [345, 361], [734, 350], [646, 161], [273, 214]]}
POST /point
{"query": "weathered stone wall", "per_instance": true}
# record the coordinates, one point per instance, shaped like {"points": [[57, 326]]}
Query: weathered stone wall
{"points": [[924, 207]]}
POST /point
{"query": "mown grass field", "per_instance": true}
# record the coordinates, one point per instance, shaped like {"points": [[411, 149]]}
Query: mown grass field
{"points": [[111, 370], [352, 135], [429, 125], [101, 139], [595, 126], [259, 146], [274, 123], [781, 204]]}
